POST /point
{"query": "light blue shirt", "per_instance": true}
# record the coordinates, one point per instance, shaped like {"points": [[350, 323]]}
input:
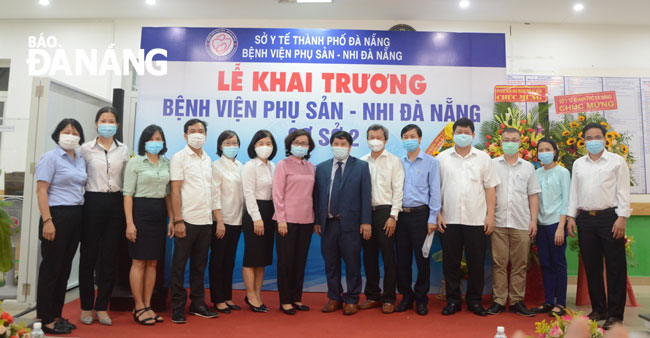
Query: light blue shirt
{"points": [[554, 198], [422, 184], [66, 176]]}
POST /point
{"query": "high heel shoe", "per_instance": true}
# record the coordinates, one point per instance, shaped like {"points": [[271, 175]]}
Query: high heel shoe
{"points": [[290, 311], [253, 307], [137, 313]]}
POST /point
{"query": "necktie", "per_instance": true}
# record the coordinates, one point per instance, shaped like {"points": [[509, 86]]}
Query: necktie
{"points": [[336, 187]]}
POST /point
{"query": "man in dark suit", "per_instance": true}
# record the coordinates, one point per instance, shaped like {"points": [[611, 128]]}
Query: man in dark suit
{"points": [[343, 214]]}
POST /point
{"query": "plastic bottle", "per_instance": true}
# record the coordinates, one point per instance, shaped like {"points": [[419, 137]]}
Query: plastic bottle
{"points": [[37, 331], [501, 332]]}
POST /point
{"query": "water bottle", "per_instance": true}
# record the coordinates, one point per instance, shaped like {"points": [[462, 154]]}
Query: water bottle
{"points": [[37, 332], [501, 332]]}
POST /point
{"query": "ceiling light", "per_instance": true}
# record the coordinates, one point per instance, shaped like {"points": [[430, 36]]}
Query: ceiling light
{"points": [[578, 7], [44, 2], [151, 2], [313, 1], [463, 4]]}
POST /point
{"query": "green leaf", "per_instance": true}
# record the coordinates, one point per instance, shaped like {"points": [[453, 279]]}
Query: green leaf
{"points": [[6, 252]]}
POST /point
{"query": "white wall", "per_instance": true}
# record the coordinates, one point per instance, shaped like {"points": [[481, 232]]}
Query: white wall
{"points": [[573, 50]]}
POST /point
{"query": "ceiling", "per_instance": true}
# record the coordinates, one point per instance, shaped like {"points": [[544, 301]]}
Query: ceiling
{"points": [[617, 12]]}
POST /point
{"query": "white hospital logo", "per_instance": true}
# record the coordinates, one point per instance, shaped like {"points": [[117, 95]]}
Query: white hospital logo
{"points": [[221, 44]]}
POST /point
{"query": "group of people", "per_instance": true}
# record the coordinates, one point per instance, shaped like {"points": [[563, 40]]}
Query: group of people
{"points": [[360, 207]]}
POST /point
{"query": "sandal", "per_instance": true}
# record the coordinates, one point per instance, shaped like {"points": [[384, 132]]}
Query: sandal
{"points": [[147, 321], [157, 318]]}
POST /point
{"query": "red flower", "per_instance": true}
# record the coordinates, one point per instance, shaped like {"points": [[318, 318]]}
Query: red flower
{"points": [[487, 144], [7, 318], [530, 130], [489, 137], [535, 159], [534, 144], [21, 332], [500, 131], [523, 121], [502, 125]]}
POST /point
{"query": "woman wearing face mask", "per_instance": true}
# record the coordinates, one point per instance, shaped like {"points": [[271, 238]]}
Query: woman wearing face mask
{"points": [[147, 205], [293, 187], [104, 221], [60, 179], [555, 182], [257, 222], [229, 210]]}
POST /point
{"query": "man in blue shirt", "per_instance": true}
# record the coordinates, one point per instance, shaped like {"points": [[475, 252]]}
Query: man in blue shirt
{"points": [[421, 203]]}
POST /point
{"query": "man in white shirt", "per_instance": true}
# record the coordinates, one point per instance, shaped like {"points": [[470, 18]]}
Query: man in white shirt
{"points": [[192, 193], [387, 178], [516, 224], [599, 205], [468, 181]]}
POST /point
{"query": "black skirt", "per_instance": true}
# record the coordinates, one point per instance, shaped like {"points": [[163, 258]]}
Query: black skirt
{"points": [[258, 250], [150, 218]]}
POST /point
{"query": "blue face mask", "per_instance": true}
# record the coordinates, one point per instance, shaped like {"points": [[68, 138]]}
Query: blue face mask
{"points": [[463, 140], [595, 146], [299, 151], [154, 147], [410, 145], [231, 151], [107, 130], [546, 157], [510, 148]]}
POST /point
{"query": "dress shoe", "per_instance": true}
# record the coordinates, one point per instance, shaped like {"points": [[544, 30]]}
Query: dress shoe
{"points": [[369, 304], [67, 323], [450, 309], [254, 308], [105, 320], [611, 321], [350, 309], [561, 312], [202, 311], [59, 328], [290, 311], [388, 308], [597, 316], [477, 309], [234, 307], [178, 317], [332, 306], [300, 307], [404, 305], [544, 308], [224, 310], [521, 309], [495, 308], [421, 309]]}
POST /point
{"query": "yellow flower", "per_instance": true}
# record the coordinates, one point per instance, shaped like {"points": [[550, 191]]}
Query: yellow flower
{"points": [[624, 149], [580, 135], [608, 143], [604, 124], [571, 141], [581, 143], [565, 133], [581, 118], [610, 135], [573, 124], [616, 134], [436, 153], [448, 138]]}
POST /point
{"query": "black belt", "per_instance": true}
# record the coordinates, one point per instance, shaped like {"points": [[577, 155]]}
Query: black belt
{"points": [[597, 212], [335, 218], [381, 207], [415, 209]]}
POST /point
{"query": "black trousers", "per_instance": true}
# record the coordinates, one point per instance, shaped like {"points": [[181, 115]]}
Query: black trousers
{"points": [[292, 250], [195, 247], [337, 244], [103, 227], [379, 242], [596, 242], [57, 255], [474, 241], [222, 263], [410, 234]]}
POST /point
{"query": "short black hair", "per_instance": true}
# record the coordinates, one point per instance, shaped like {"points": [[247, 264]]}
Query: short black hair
{"points": [[260, 134], [509, 130], [593, 125], [341, 134], [107, 109], [375, 127], [463, 122], [410, 127], [64, 123], [192, 122], [553, 144], [146, 135], [294, 135], [226, 134]]}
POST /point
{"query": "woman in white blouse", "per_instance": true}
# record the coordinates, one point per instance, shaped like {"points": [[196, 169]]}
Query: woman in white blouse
{"points": [[257, 224], [229, 210], [104, 221]]}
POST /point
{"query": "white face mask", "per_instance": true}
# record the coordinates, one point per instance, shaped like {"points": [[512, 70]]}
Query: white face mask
{"points": [[68, 141], [376, 145], [340, 153], [263, 152], [196, 140]]}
